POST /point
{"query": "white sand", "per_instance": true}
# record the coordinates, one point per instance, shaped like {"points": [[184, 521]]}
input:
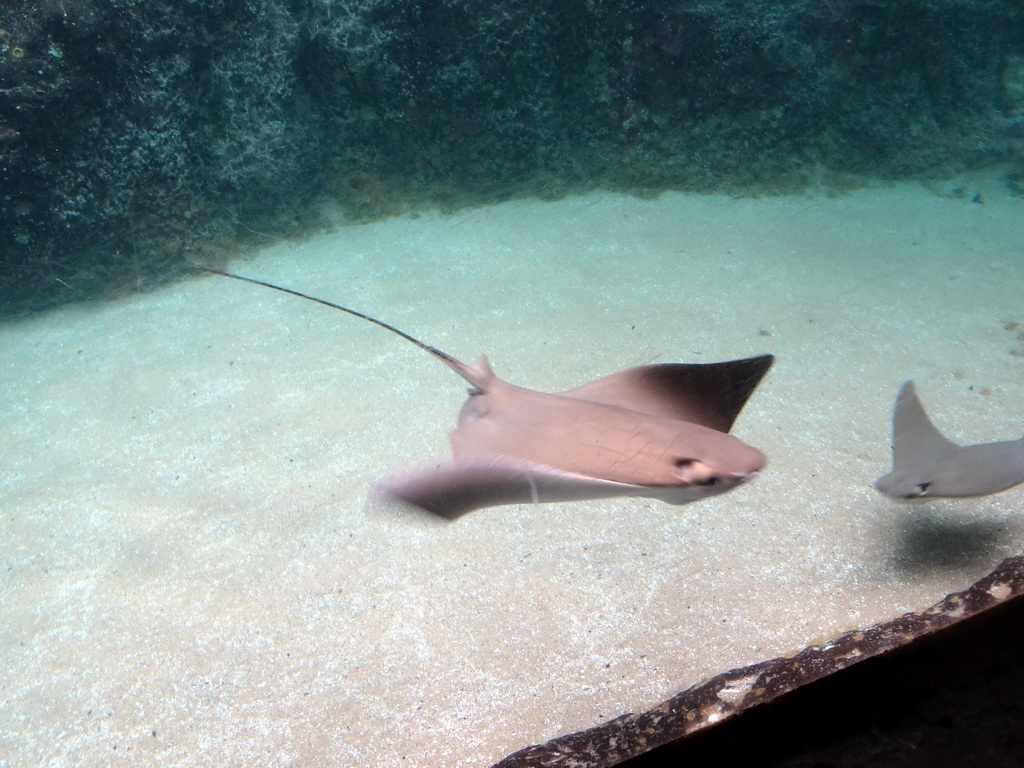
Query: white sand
{"points": [[193, 576]]}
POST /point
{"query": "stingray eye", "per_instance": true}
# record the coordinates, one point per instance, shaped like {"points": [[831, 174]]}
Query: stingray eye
{"points": [[687, 469], [922, 488], [695, 472]]}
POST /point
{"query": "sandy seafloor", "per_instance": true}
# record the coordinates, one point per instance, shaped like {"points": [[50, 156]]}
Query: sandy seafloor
{"points": [[193, 575]]}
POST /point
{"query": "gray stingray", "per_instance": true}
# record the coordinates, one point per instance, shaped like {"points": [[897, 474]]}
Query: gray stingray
{"points": [[926, 465], [656, 430]]}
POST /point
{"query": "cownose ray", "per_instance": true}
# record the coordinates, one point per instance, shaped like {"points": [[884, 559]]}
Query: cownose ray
{"points": [[927, 465], [659, 431]]}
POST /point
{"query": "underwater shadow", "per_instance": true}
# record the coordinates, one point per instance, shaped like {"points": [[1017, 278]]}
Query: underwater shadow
{"points": [[935, 542]]}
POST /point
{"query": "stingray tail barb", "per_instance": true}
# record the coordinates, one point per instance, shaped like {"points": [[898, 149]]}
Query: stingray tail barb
{"points": [[475, 374]]}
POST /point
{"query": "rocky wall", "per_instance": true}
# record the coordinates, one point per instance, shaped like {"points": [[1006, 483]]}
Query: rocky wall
{"points": [[139, 135]]}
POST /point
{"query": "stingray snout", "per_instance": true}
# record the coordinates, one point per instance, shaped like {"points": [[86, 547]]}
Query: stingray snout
{"points": [[730, 463], [733, 481], [696, 473]]}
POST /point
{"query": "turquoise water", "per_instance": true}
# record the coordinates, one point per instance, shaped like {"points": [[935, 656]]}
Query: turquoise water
{"points": [[197, 568]]}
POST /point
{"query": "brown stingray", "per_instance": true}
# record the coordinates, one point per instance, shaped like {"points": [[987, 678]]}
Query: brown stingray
{"points": [[926, 465], [656, 430]]}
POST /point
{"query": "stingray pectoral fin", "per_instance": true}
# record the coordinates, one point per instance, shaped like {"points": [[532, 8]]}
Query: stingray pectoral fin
{"points": [[914, 438], [709, 394], [477, 482]]}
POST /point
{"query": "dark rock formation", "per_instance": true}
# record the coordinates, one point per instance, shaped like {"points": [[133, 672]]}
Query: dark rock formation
{"points": [[138, 134], [939, 687]]}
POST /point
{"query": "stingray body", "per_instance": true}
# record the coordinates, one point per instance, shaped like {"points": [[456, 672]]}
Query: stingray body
{"points": [[660, 431], [927, 465]]}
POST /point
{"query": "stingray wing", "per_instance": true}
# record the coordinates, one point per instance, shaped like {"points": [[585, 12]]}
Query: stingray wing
{"points": [[476, 482], [480, 481], [709, 394], [915, 440]]}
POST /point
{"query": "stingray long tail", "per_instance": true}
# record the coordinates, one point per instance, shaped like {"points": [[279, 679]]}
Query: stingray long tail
{"points": [[456, 365]]}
